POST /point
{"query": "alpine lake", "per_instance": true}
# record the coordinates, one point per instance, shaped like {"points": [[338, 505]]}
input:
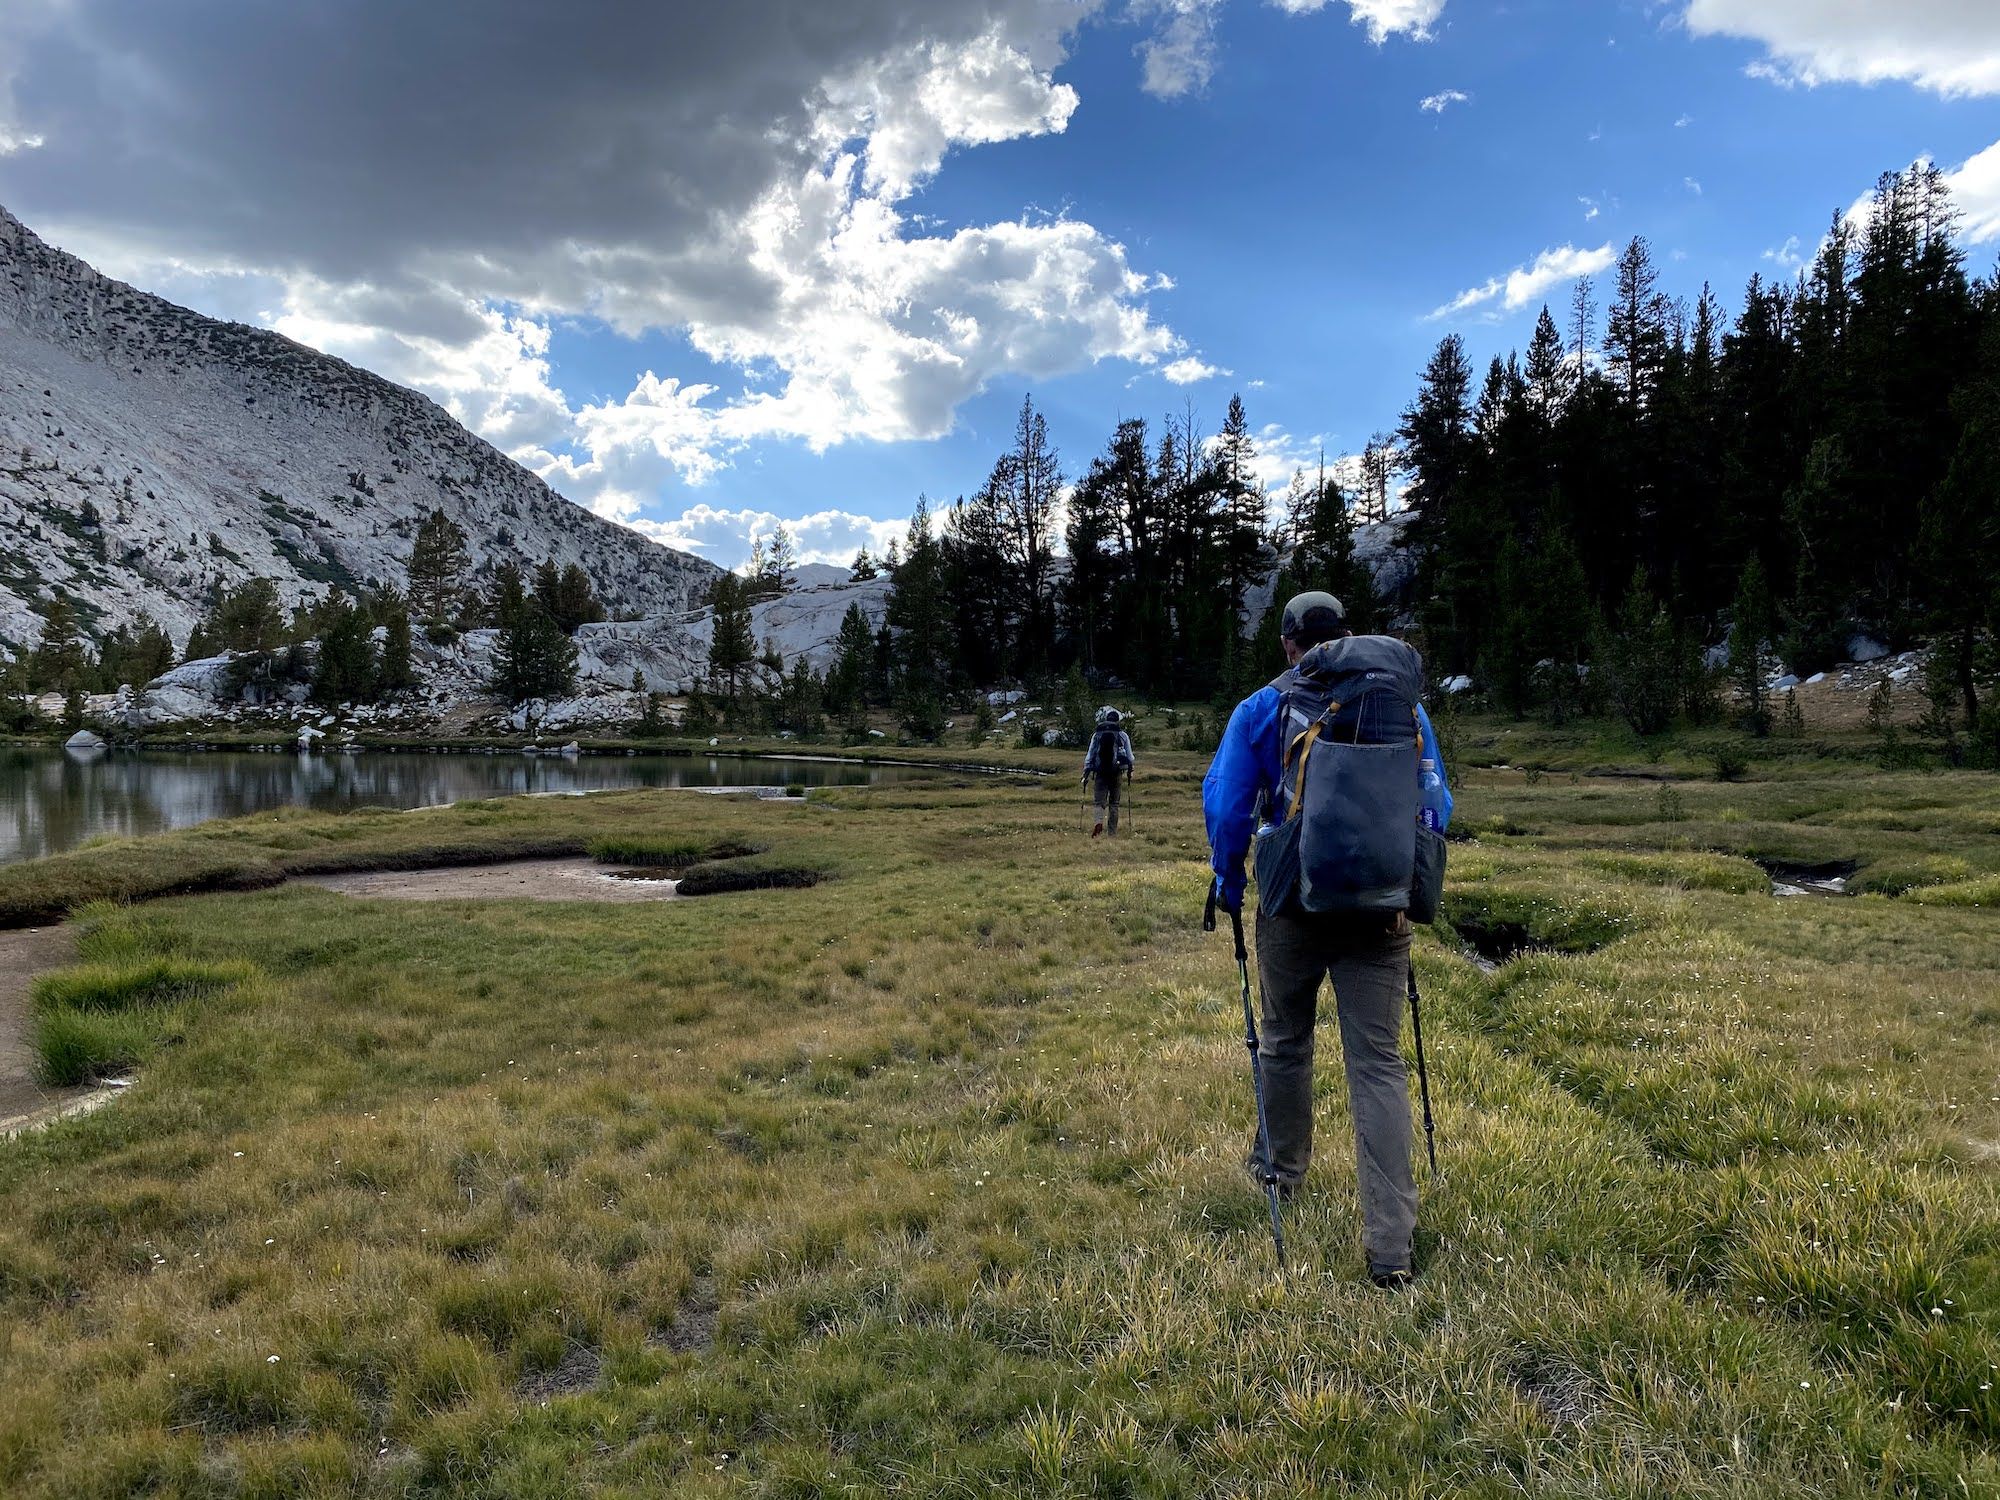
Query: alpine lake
{"points": [[53, 799]]}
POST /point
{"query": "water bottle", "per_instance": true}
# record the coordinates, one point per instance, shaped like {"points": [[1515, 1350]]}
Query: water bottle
{"points": [[1430, 792]]}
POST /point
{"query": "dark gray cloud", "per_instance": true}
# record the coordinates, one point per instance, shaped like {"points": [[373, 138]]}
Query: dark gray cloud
{"points": [[352, 138], [423, 185]]}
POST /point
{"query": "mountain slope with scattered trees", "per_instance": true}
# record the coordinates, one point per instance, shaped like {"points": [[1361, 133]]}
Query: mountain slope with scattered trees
{"points": [[152, 458]]}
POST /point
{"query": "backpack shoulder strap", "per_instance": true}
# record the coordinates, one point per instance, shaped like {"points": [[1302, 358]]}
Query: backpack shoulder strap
{"points": [[1297, 738], [1303, 745]]}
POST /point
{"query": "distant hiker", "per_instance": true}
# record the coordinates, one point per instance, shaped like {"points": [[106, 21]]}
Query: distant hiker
{"points": [[1329, 770], [1109, 761]]}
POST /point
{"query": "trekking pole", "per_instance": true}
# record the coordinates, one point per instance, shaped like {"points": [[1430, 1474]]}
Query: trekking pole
{"points": [[1423, 1073], [1267, 1170]]}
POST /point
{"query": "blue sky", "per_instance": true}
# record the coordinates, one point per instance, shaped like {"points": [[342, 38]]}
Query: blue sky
{"points": [[967, 203]]}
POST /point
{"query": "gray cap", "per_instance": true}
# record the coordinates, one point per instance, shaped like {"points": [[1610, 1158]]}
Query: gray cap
{"points": [[1312, 618]]}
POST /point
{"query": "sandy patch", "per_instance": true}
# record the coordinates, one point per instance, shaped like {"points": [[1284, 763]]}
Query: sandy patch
{"points": [[575, 878]]}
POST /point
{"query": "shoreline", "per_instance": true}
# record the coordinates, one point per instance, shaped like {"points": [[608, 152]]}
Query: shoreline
{"points": [[621, 748]]}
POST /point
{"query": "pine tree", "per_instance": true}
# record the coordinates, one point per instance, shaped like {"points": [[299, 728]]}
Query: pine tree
{"points": [[919, 619], [61, 661], [1794, 724], [1958, 540], [1378, 463], [1565, 624], [344, 667], [731, 648], [1437, 440], [782, 563], [247, 618], [757, 572], [1097, 560], [533, 658], [863, 567], [1635, 333], [142, 652], [1752, 624], [1641, 659], [652, 723], [983, 590], [802, 705], [548, 587], [437, 570], [847, 680], [565, 596], [508, 596], [1241, 502], [393, 672], [1022, 492]]}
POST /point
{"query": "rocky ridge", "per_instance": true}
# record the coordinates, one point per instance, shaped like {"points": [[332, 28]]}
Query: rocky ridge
{"points": [[149, 454]]}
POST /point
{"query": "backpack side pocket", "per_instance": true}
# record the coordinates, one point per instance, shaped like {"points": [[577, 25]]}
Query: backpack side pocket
{"points": [[1427, 883], [1274, 858]]}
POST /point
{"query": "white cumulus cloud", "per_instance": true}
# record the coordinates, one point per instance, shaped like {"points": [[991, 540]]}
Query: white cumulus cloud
{"points": [[1177, 56], [725, 536], [743, 185], [1438, 103], [1786, 255], [1522, 285], [1383, 18], [1951, 47], [1975, 189], [1189, 370], [1975, 194]]}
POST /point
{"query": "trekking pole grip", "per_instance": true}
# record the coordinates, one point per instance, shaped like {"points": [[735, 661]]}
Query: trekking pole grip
{"points": [[1208, 915], [1236, 926]]}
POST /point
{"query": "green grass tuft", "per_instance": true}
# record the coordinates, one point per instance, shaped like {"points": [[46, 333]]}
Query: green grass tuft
{"points": [[75, 1046], [120, 987], [103, 1017], [755, 872], [662, 853]]}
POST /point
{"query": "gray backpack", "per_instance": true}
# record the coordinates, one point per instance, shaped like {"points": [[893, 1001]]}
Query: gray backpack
{"points": [[1343, 834]]}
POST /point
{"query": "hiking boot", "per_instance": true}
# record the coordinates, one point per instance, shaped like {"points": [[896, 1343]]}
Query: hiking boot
{"points": [[1391, 1278], [1097, 830]]}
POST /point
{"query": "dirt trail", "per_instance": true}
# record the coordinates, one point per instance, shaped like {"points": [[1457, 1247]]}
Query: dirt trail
{"points": [[572, 879], [24, 954]]}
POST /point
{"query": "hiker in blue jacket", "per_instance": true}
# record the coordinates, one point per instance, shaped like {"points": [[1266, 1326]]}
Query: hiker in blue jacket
{"points": [[1366, 953]]}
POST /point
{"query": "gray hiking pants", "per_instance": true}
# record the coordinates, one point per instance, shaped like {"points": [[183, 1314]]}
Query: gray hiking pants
{"points": [[1109, 794], [1368, 957]]}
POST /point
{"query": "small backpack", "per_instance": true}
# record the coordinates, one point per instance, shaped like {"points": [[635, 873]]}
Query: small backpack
{"points": [[1104, 751], [1343, 835]]}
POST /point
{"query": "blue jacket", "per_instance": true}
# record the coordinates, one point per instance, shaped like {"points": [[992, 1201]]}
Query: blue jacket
{"points": [[1249, 763]]}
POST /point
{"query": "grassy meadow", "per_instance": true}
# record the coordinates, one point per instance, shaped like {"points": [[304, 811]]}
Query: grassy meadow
{"points": [[923, 1179]]}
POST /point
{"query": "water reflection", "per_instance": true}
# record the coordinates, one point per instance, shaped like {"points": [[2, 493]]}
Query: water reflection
{"points": [[52, 799]]}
